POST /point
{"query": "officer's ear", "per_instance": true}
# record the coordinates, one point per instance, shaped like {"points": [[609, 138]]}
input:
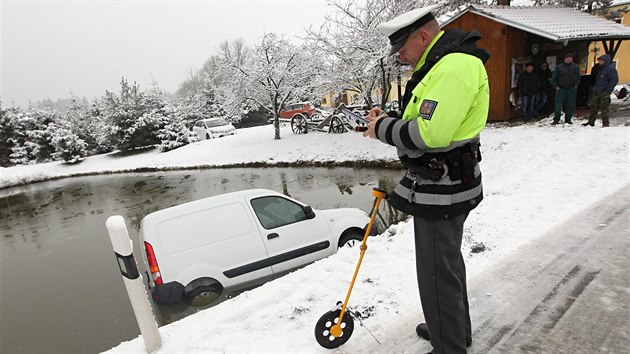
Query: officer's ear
{"points": [[427, 37]]}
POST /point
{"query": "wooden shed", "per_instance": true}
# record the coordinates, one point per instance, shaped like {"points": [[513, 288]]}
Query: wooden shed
{"points": [[516, 35]]}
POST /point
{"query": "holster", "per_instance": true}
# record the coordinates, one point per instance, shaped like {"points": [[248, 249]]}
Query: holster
{"points": [[461, 162], [434, 173]]}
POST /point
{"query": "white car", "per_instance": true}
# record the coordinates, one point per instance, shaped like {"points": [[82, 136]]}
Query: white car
{"points": [[213, 128], [198, 248]]}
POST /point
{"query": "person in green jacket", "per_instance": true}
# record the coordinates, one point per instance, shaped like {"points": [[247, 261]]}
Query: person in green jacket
{"points": [[565, 79], [436, 133]]}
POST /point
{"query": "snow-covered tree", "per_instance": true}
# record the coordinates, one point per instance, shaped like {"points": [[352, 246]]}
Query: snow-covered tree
{"points": [[272, 74], [20, 155], [9, 133], [131, 118], [356, 51], [215, 89], [30, 141], [101, 126], [38, 137], [68, 146], [174, 134], [82, 124], [200, 104], [252, 118]]}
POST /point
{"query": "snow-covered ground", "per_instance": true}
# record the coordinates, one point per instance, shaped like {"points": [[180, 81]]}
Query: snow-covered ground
{"points": [[535, 177]]}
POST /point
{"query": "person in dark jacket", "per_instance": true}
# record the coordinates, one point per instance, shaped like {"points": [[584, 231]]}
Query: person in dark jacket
{"points": [[607, 79], [565, 79], [545, 86], [528, 84]]}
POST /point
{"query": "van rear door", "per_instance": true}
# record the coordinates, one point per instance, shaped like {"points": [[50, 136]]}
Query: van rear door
{"points": [[291, 238]]}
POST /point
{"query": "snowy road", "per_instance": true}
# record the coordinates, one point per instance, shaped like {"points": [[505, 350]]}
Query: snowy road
{"points": [[567, 292]]}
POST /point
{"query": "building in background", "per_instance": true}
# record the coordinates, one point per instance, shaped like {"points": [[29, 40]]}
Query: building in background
{"points": [[516, 35]]}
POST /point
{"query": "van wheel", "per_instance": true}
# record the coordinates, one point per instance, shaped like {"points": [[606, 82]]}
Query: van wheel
{"points": [[351, 238], [203, 292]]}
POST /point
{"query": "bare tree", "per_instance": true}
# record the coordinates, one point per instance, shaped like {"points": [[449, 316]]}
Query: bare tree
{"points": [[356, 52]]}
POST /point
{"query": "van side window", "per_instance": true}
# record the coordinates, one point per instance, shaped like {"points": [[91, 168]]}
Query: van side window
{"points": [[274, 211]]}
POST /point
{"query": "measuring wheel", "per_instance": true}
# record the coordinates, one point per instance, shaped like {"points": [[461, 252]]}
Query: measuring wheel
{"points": [[329, 334], [298, 124]]}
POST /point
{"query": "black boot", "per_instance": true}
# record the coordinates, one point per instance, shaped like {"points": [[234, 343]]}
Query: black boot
{"points": [[423, 332], [592, 124]]}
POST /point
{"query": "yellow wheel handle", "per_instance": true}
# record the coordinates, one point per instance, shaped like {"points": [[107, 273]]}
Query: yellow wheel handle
{"points": [[336, 329]]}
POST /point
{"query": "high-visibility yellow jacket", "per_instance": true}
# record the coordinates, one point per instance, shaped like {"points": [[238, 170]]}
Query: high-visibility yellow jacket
{"points": [[446, 108]]}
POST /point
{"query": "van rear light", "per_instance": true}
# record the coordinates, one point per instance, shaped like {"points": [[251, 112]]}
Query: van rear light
{"points": [[153, 265]]}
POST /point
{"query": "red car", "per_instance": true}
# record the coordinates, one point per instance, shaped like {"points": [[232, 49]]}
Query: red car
{"points": [[305, 108]]}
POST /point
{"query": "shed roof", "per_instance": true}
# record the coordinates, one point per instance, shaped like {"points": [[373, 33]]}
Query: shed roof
{"points": [[555, 23]]}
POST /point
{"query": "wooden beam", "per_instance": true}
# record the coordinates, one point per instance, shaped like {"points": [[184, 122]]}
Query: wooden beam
{"points": [[616, 48]]}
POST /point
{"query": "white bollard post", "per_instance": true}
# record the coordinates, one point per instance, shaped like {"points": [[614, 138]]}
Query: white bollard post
{"points": [[123, 249]]}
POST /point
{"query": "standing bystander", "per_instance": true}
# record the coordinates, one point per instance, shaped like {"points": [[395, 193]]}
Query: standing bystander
{"points": [[545, 86], [565, 80], [528, 84], [605, 82], [436, 133]]}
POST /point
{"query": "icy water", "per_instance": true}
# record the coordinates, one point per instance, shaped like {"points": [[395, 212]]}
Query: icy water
{"points": [[60, 287]]}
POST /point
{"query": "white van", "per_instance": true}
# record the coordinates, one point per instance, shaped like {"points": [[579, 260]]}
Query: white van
{"points": [[232, 239]]}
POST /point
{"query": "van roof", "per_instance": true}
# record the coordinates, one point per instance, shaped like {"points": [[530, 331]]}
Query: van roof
{"points": [[150, 220]]}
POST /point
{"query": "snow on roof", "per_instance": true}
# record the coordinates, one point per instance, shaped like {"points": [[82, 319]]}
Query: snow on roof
{"points": [[556, 23], [618, 3]]}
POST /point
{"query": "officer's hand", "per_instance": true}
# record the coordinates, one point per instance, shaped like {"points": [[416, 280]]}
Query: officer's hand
{"points": [[374, 112], [371, 132]]}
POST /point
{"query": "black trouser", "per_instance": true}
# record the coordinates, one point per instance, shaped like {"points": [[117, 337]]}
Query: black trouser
{"points": [[442, 281]]}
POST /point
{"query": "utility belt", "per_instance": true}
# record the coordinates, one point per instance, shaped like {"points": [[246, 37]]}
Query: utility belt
{"points": [[458, 164]]}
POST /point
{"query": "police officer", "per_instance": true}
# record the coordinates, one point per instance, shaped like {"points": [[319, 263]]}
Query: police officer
{"points": [[436, 133]]}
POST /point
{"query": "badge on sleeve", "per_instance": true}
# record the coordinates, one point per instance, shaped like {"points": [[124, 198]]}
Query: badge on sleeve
{"points": [[427, 108]]}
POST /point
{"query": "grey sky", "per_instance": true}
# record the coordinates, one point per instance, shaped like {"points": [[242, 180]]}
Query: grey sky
{"points": [[53, 48]]}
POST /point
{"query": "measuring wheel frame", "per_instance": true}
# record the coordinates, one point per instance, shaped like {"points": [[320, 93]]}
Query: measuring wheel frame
{"points": [[328, 324], [334, 329]]}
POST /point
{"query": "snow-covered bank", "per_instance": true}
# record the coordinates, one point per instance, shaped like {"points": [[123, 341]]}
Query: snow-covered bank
{"points": [[535, 176], [249, 146]]}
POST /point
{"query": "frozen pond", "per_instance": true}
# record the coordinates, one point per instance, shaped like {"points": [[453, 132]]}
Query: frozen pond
{"points": [[60, 286]]}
